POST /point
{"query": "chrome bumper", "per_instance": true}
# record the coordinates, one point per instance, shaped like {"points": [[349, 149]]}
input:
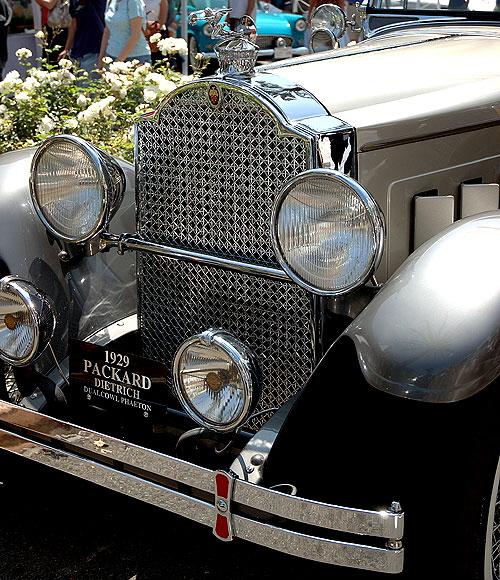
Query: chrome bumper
{"points": [[155, 478]]}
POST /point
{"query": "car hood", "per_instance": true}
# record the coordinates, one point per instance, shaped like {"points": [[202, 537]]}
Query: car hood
{"points": [[408, 84]]}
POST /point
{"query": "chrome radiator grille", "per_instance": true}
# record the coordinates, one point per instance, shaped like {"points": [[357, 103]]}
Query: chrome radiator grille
{"points": [[266, 42], [207, 179]]}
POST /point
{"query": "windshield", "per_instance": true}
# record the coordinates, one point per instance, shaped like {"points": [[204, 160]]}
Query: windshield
{"points": [[471, 5]]}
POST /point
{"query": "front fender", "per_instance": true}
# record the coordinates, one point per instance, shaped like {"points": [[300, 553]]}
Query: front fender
{"points": [[433, 331]]}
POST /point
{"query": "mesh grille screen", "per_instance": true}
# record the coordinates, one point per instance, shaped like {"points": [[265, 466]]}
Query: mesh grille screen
{"points": [[207, 179], [185, 299]]}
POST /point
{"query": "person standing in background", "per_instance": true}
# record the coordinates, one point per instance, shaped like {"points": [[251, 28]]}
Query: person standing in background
{"points": [[123, 38], [85, 34], [55, 36], [5, 16], [156, 16], [240, 8]]}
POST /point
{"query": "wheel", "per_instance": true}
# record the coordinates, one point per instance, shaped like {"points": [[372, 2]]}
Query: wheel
{"points": [[492, 544]]}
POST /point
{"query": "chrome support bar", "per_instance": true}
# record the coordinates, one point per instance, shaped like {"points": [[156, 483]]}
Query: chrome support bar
{"points": [[131, 242], [153, 477]]}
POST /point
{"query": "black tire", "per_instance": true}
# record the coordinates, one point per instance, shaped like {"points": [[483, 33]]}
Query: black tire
{"points": [[492, 545]]}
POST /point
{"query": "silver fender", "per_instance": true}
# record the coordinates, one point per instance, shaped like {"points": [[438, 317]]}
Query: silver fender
{"points": [[432, 333], [94, 293]]}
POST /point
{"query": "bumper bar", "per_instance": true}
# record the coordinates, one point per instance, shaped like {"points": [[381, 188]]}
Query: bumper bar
{"points": [[155, 478]]}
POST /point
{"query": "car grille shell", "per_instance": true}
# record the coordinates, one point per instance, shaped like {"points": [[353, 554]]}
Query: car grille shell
{"points": [[207, 179]]}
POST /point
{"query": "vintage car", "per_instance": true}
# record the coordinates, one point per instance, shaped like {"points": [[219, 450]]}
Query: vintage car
{"points": [[284, 322], [280, 34]]}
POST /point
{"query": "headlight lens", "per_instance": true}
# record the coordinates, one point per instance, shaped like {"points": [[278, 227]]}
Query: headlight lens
{"points": [[216, 380], [300, 25], [27, 321], [207, 29], [75, 187], [328, 232]]}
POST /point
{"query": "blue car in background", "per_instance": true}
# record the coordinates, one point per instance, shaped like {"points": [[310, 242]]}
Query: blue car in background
{"points": [[280, 34]]}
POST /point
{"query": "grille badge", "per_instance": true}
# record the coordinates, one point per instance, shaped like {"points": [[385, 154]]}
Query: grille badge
{"points": [[214, 95]]}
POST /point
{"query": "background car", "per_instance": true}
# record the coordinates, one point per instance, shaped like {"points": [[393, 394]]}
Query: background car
{"points": [[279, 34]]}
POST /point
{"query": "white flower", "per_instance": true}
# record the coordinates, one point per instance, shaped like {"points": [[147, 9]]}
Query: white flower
{"points": [[150, 94], [87, 116], [40, 35], [65, 63], [169, 46], [30, 84], [39, 74], [142, 71], [82, 100], [123, 93], [3, 109], [154, 38], [71, 123], [120, 67], [22, 96], [166, 86], [155, 78], [107, 60], [113, 80], [46, 125], [24, 53], [13, 77]]}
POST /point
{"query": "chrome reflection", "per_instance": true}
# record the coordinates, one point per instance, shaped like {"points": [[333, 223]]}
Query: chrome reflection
{"points": [[27, 321], [432, 333], [147, 475]]}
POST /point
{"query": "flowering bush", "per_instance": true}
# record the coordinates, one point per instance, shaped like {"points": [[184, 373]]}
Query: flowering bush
{"points": [[50, 100]]}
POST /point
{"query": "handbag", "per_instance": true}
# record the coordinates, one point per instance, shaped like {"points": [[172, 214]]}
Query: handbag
{"points": [[59, 16]]}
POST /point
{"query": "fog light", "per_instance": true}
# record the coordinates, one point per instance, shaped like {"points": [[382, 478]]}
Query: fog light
{"points": [[216, 379], [27, 321]]}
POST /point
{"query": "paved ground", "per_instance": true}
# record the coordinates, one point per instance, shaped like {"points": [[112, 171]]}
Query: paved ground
{"points": [[55, 527]]}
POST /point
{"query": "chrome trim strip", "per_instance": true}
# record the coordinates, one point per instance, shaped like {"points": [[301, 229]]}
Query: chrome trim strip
{"points": [[131, 242], [319, 549], [100, 447], [376, 145], [290, 542], [108, 477]]}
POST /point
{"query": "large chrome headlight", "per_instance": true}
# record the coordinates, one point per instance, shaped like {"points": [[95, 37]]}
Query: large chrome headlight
{"points": [[27, 321], [328, 25], [75, 187], [327, 231], [216, 380]]}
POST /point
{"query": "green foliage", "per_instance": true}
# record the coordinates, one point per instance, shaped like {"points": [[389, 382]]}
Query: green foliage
{"points": [[101, 107]]}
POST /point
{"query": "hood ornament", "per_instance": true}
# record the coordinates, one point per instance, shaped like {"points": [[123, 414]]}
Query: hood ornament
{"points": [[236, 51]]}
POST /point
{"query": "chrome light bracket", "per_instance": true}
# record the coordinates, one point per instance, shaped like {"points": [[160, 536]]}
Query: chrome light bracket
{"points": [[236, 51]]}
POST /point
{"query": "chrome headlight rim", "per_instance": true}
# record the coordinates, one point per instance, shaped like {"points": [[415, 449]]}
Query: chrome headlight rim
{"points": [[300, 25], [41, 312], [376, 217], [336, 22], [110, 180], [246, 366], [317, 32]]}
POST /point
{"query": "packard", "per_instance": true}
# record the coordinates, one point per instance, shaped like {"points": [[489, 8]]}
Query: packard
{"points": [[283, 322]]}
